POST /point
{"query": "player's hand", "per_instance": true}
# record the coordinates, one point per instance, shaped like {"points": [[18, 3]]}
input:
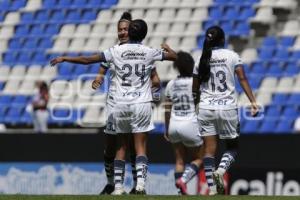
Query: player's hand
{"points": [[97, 83], [254, 109], [166, 136], [165, 47], [56, 61]]}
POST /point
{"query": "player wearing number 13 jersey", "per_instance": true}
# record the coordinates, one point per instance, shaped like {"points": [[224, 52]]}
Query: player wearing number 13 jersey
{"points": [[214, 74]]}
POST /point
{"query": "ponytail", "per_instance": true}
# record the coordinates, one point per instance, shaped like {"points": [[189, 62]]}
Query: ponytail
{"points": [[214, 37]]}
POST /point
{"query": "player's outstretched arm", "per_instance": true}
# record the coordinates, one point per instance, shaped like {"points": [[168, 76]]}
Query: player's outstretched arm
{"points": [[168, 108], [85, 60], [99, 78], [169, 53], [195, 90], [247, 89], [155, 79]]}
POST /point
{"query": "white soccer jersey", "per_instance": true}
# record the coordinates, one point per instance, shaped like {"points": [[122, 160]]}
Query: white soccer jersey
{"points": [[219, 92], [179, 91], [133, 65]]}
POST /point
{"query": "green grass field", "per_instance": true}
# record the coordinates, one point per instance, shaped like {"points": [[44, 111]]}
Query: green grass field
{"points": [[131, 197]]}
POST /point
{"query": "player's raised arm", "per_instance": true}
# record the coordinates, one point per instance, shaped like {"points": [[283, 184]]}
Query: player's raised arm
{"points": [[169, 54], [100, 77], [247, 89], [85, 60]]}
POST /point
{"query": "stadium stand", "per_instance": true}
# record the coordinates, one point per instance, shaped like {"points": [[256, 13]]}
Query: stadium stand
{"points": [[34, 31]]}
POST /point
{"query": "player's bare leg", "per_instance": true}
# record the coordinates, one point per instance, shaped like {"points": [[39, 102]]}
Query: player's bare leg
{"points": [[193, 169], [210, 146], [119, 164], [109, 156], [180, 153], [140, 143]]}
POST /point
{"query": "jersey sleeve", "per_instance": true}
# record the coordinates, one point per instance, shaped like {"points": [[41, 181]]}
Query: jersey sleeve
{"points": [[196, 68], [236, 61], [105, 65], [107, 55], [157, 54]]}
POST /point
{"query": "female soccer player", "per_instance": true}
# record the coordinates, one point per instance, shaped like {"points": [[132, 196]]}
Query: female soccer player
{"points": [[218, 109], [111, 136], [182, 128], [133, 63]]}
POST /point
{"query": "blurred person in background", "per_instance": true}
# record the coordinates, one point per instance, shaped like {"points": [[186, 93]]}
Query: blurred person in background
{"points": [[182, 128], [39, 108], [214, 87]]}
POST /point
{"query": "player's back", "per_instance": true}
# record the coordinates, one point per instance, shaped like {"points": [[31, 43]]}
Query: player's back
{"points": [[179, 91], [219, 91], [133, 65]]}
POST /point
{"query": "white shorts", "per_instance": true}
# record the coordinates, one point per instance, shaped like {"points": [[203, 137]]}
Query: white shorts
{"points": [[224, 123], [110, 120], [133, 118], [186, 132]]}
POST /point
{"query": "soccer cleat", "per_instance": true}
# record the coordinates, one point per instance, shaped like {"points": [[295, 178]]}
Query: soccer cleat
{"points": [[181, 186], [212, 193], [218, 179], [132, 191], [119, 191], [108, 189], [139, 190]]}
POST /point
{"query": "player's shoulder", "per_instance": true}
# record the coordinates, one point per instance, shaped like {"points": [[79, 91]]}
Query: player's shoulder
{"points": [[170, 83], [229, 52]]}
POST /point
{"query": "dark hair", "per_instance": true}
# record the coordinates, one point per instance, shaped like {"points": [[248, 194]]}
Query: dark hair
{"points": [[184, 63], [214, 37], [126, 16], [43, 86], [137, 30]]}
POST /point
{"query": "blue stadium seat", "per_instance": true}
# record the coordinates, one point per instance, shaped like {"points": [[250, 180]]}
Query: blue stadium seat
{"points": [[39, 57], [292, 68], [208, 23], [107, 3], [294, 99], [268, 126], [242, 29], [94, 69], [79, 70], [31, 43], [279, 99], [246, 12], [73, 16], [2, 84], [215, 13], [295, 55], [20, 99], [5, 5], [21, 30], [45, 43], [10, 57], [26, 118], [273, 111], [49, 4], [265, 54], [286, 41], [79, 3], [88, 15], [57, 16], [64, 3], [284, 126], [3, 113], [5, 100], [15, 5], [281, 55], [227, 26], [15, 44], [52, 29], [42, 16], [251, 126], [269, 41], [290, 112], [37, 30], [230, 14], [275, 69], [258, 68], [2, 15], [27, 17], [24, 58], [66, 70], [13, 114]]}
